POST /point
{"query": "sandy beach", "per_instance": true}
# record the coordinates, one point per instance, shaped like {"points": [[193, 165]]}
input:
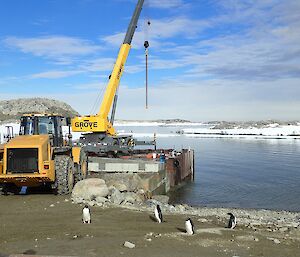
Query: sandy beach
{"points": [[51, 225]]}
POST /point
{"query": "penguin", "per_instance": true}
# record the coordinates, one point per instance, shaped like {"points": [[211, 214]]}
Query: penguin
{"points": [[189, 227], [232, 221], [158, 214], [86, 214]]}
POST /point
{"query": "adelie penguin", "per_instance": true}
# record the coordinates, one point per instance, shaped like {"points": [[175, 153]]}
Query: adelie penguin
{"points": [[158, 214], [232, 221], [189, 227], [86, 215]]}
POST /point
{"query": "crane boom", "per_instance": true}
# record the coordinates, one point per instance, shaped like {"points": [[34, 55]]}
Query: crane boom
{"points": [[99, 123]]}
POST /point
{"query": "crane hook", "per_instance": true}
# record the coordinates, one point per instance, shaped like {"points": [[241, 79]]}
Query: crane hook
{"points": [[146, 44]]}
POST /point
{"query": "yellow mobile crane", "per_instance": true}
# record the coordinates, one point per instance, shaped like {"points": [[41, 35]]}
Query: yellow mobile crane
{"points": [[100, 136]]}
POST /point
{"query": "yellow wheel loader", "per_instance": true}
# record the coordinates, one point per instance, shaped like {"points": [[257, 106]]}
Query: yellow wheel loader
{"points": [[41, 156]]}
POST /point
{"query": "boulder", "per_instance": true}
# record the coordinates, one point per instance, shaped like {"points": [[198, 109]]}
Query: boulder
{"points": [[123, 182], [152, 203], [129, 245], [180, 208], [89, 189], [78, 200], [161, 198], [116, 196], [120, 186], [101, 199], [276, 241], [130, 197]]}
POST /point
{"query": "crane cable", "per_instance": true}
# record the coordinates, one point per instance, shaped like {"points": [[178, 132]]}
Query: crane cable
{"points": [[97, 100], [146, 45], [100, 95]]}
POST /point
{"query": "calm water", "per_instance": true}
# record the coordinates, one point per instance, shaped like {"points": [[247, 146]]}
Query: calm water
{"points": [[241, 173]]}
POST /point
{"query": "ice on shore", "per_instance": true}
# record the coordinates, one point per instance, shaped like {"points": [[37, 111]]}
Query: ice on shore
{"points": [[137, 124], [271, 131], [155, 124]]}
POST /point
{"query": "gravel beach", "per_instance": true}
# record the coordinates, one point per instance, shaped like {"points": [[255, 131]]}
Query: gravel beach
{"points": [[51, 225]]}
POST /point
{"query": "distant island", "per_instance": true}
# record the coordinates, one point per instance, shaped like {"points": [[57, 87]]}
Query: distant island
{"points": [[11, 110]]}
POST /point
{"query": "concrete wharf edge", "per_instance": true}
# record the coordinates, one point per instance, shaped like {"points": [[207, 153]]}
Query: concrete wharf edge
{"points": [[156, 177]]}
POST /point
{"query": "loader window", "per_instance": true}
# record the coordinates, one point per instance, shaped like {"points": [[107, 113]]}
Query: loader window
{"points": [[43, 129], [26, 127], [46, 125]]}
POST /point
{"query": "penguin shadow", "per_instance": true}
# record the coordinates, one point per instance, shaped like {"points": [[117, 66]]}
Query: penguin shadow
{"points": [[151, 217], [29, 252], [182, 230]]}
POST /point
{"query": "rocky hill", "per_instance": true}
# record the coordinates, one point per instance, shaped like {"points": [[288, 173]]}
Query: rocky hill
{"points": [[13, 109]]}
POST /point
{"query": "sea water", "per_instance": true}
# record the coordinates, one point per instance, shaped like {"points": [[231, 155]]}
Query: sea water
{"points": [[238, 173]]}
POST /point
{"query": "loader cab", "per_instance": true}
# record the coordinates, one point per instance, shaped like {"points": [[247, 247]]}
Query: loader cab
{"points": [[43, 125]]}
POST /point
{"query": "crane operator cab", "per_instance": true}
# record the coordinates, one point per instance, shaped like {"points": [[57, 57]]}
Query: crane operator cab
{"points": [[44, 125]]}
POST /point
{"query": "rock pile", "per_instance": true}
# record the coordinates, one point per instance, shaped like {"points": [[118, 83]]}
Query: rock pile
{"points": [[96, 192]]}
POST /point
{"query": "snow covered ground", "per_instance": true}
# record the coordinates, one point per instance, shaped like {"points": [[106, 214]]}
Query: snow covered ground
{"points": [[190, 130], [137, 124], [270, 131], [154, 124]]}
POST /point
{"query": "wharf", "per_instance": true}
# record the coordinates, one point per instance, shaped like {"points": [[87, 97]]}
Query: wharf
{"points": [[153, 173]]}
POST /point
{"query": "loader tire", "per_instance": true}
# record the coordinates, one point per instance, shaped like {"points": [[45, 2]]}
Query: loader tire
{"points": [[9, 189], [3, 189], [64, 174], [81, 169]]}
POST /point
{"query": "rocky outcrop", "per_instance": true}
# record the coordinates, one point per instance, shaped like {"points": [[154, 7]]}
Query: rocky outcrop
{"points": [[13, 109]]}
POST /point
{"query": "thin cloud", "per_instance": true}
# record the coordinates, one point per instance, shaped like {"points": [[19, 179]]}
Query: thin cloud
{"points": [[160, 30], [91, 86], [213, 100], [60, 48], [165, 3], [241, 62], [264, 47], [54, 74], [98, 64], [159, 4]]}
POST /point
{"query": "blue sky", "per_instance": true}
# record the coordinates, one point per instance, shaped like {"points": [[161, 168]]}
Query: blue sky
{"points": [[208, 60]]}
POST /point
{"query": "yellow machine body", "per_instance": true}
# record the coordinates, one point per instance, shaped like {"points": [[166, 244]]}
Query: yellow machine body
{"points": [[92, 123], [46, 171], [46, 166], [99, 122]]}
